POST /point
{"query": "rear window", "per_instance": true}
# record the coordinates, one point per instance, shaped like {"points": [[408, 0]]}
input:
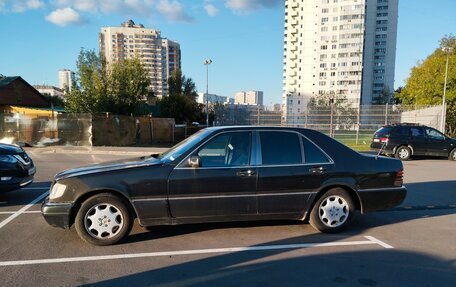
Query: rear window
{"points": [[383, 132]]}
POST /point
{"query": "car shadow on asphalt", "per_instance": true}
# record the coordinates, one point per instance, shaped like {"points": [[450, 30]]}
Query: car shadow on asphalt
{"points": [[25, 195], [341, 266]]}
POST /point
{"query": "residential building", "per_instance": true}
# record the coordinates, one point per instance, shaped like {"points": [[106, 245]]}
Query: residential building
{"points": [[50, 90], [15, 91], [342, 49], [66, 79], [249, 98], [239, 98], [213, 99], [159, 55]]}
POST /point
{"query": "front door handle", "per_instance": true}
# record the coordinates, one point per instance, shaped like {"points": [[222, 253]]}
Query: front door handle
{"points": [[319, 170], [245, 173]]}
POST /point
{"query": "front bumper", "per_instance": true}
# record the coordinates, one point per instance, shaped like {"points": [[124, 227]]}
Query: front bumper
{"points": [[381, 198], [57, 214], [16, 183]]}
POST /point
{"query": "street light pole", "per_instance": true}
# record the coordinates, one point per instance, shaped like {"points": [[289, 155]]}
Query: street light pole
{"points": [[207, 63], [447, 50]]}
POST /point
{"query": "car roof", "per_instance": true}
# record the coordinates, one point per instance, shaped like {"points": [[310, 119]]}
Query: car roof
{"points": [[253, 128]]}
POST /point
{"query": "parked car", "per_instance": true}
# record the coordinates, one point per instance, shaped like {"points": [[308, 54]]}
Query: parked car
{"points": [[226, 174], [406, 140], [16, 168]]}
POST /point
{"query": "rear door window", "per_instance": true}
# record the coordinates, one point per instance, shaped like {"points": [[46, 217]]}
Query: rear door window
{"points": [[417, 132], [280, 148], [401, 131]]}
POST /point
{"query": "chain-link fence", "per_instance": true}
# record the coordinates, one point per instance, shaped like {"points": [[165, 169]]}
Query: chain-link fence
{"points": [[351, 125]]}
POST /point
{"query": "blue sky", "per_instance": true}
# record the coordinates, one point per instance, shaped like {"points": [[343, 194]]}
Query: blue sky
{"points": [[244, 38]]}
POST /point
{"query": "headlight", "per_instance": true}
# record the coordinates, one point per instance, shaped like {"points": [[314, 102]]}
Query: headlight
{"points": [[8, 159], [57, 191]]}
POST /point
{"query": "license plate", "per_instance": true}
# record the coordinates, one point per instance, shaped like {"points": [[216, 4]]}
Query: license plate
{"points": [[376, 140], [32, 171]]}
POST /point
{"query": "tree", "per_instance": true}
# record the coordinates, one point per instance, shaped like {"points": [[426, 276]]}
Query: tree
{"points": [[181, 104], [426, 81], [120, 88], [90, 89], [128, 86]]}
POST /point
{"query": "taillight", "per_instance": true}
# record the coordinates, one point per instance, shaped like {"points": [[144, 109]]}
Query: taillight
{"points": [[399, 180], [384, 140]]}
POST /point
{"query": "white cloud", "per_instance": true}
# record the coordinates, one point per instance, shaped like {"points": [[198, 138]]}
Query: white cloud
{"points": [[86, 5], [65, 16], [252, 5], [211, 9], [20, 6], [173, 11]]}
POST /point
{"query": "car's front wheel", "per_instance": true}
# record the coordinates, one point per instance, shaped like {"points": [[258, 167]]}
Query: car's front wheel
{"points": [[403, 153], [332, 211], [103, 219], [452, 155]]}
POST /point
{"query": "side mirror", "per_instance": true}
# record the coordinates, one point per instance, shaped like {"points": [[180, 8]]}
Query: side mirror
{"points": [[194, 161]]}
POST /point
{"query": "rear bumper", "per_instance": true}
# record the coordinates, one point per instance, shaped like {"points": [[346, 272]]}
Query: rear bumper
{"points": [[381, 198], [388, 149], [57, 214]]}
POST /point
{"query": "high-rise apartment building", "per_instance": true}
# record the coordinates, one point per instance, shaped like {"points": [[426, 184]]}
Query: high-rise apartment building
{"points": [[249, 98], [159, 55], [339, 49], [66, 79]]}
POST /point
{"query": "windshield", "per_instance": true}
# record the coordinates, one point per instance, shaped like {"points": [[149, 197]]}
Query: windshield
{"points": [[182, 147]]}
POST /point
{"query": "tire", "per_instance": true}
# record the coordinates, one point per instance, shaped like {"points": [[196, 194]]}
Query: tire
{"points": [[114, 220], [452, 155], [332, 211], [403, 153]]}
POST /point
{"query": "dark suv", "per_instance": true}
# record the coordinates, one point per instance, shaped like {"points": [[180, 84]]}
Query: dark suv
{"points": [[406, 140], [16, 168]]}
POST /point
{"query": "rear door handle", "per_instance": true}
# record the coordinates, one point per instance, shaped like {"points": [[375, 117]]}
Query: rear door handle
{"points": [[319, 169], [245, 173]]}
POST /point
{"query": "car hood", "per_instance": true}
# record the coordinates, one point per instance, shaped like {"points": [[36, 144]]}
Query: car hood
{"points": [[107, 166], [6, 149]]}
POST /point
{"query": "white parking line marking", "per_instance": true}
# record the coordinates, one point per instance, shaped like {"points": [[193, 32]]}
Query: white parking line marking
{"points": [[371, 241], [25, 212], [379, 242], [22, 210]]}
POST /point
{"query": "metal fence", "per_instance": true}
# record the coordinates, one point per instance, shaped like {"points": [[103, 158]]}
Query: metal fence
{"points": [[347, 124], [90, 130], [352, 125]]}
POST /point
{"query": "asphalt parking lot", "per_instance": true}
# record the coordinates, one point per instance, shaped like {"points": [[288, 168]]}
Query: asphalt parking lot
{"points": [[411, 245]]}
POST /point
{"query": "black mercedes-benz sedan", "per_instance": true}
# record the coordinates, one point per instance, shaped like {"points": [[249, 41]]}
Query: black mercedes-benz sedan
{"points": [[226, 174], [16, 168]]}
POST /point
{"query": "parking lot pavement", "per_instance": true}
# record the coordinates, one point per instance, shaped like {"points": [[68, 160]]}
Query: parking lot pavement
{"points": [[32, 253]]}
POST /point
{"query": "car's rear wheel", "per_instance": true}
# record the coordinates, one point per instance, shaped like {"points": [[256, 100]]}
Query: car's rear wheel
{"points": [[332, 211], [403, 153], [452, 155], [103, 219]]}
